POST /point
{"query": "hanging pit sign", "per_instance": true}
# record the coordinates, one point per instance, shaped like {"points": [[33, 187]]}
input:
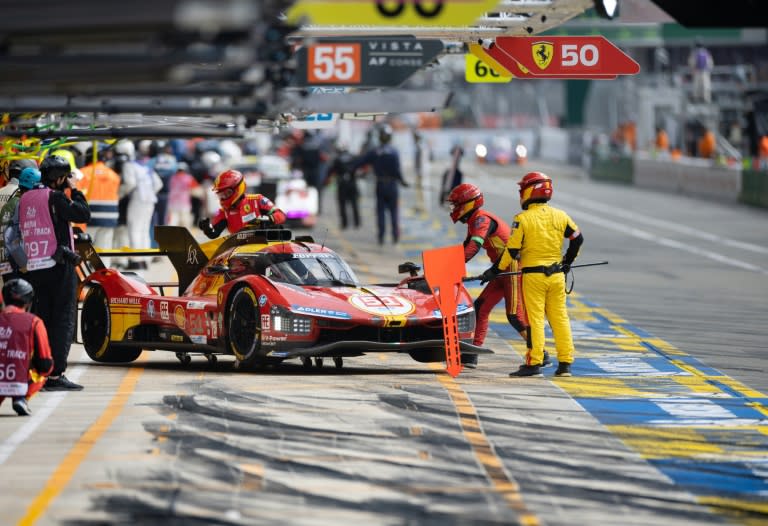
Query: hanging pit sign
{"points": [[566, 56], [366, 63], [431, 13]]}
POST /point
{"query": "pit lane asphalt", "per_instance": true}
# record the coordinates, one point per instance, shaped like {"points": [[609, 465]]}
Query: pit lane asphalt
{"points": [[386, 440]]}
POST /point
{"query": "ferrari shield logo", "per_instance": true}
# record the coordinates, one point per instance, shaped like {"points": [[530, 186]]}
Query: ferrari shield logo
{"points": [[542, 53]]}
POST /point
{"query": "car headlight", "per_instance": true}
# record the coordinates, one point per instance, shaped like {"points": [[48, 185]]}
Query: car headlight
{"points": [[284, 320], [466, 321]]}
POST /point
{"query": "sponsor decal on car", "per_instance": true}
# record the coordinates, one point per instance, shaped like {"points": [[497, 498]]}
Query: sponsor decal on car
{"points": [[262, 300], [199, 338], [270, 338], [265, 322], [196, 305], [151, 308], [129, 300], [164, 311], [315, 255], [329, 313], [383, 305], [178, 316]]}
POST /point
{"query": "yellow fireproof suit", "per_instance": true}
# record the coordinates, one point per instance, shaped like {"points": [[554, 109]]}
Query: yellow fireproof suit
{"points": [[537, 235]]}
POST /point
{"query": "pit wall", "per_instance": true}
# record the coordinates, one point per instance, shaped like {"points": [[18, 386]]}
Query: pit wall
{"points": [[700, 178]]}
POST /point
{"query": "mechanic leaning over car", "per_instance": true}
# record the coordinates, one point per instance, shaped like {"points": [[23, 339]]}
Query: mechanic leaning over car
{"points": [[238, 209], [25, 356], [46, 257], [488, 231], [385, 161], [537, 238]]}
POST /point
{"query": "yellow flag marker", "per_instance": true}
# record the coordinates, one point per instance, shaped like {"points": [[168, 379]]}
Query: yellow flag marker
{"points": [[441, 13]]}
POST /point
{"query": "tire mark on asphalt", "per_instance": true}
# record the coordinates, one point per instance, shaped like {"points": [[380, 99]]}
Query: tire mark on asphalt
{"points": [[485, 453]]}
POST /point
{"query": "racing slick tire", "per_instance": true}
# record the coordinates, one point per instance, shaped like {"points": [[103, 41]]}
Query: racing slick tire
{"points": [[95, 327], [244, 326]]}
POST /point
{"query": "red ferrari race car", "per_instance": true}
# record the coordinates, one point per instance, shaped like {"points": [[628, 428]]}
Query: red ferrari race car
{"points": [[263, 297]]}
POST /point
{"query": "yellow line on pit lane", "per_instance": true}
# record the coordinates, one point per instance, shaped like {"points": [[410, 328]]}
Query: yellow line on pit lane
{"points": [[484, 451], [66, 469]]}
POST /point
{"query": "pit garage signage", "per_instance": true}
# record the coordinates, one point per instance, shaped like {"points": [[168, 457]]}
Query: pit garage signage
{"points": [[433, 13], [367, 62], [562, 57]]}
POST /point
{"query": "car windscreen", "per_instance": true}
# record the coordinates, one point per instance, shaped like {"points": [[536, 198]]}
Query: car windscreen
{"points": [[317, 269]]}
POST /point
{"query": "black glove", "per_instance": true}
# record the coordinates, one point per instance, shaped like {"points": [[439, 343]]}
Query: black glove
{"points": [[204, 224], [489, 274], [565, 267]]}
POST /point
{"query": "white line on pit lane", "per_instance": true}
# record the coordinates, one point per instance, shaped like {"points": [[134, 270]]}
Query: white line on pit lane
{"points": [[675, 227], [52, 400], [671, 243]]}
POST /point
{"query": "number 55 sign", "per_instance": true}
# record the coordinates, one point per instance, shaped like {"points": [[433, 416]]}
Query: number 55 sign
{"points": [[334, 64], [576, 55]]}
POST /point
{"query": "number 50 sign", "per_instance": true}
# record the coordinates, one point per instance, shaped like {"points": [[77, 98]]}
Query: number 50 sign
{"points": [[568, 55], [334, 63]]}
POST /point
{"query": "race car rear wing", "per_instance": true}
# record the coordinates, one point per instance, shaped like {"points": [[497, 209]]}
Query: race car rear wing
{"points": [[175, 242], [186, 255]]}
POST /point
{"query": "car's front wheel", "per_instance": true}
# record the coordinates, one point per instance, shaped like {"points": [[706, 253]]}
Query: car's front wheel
{"points": [[95, 326], [244, 326]]}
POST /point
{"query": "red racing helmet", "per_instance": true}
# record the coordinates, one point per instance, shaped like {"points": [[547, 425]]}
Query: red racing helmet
{"points": [[229, 186], [464, 199], [534, 187]]}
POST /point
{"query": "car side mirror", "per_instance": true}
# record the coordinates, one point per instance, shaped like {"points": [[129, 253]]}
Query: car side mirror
{"points": [[410, 267], [217, 269]]}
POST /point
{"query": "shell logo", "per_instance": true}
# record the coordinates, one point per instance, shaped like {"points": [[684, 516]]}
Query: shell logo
{"points": [[383, 305], [178, 316]]}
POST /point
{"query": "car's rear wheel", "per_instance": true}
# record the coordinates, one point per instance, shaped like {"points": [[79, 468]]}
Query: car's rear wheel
{"points": [[244, 326], [95, 326]]}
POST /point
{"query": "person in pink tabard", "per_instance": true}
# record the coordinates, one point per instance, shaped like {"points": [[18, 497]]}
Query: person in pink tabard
{"points": [[46, 258]]}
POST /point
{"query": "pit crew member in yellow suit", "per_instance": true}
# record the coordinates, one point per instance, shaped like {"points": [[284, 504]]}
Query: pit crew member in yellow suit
{"points": [[537, 236]]}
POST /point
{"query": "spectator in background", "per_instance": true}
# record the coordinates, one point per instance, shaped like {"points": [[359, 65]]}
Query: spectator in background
{"points": [[385, 160], [308, 156], [453, 176], [123, 161], [163, 161], [100, 185], [142, 184], [707, 144], [762, 152], [181, 187], [735, 136], [346, 186], [701, 64], [661, 140]]}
